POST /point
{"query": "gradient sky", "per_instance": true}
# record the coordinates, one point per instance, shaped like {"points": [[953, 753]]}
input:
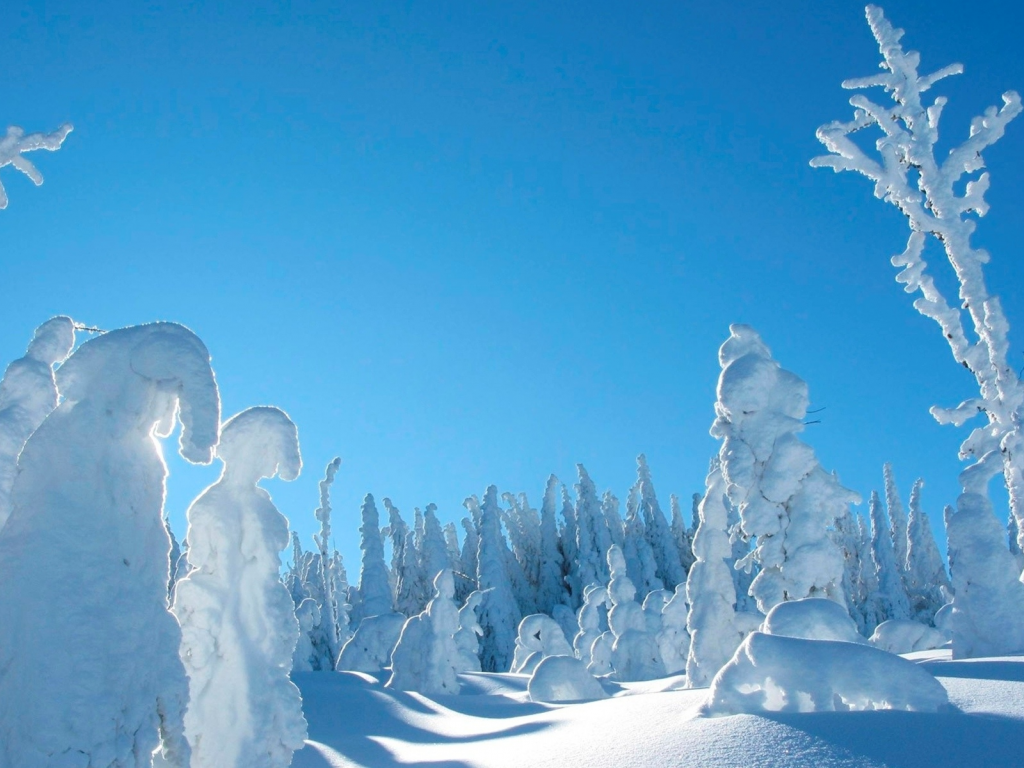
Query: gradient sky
{"points": [[477, 243]]}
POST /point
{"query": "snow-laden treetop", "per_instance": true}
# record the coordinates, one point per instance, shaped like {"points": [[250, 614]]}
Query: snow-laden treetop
{"points": [[260, 442], [15, 144]]}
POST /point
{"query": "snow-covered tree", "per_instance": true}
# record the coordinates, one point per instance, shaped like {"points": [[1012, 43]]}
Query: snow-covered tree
{"points": [[499, 612], [890, 597], [570, 550], [330, 574], [374, 586], [928, 586], [467, 639], [28, 393], [551, 590], [786, 501], [592, 621], [106, 687], [898, 521], [938, 200], [711, 623], [674, 640], [426, 657], [305, 655], [434, 553], [656, 529], [635, 653], [682, 536], [591, 567], [15, 144], [237, 619], [847, 537], [641, 565]]}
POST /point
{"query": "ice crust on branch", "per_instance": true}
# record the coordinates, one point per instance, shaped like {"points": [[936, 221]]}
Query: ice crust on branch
{"points": [[88, 499], [237, 622], [15, 144], [908, 175]]}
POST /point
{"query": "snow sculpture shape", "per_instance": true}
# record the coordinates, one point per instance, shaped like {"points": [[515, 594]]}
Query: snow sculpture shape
{"points": [[563, 679], [538, 634], [710, 591], [15, 144], [595, 598], [467, 638], [28, 393], [786, 674], [369, 649], [896, 636], [237, 619], [426, 657], [107, 684], [812, 618], [785, 499], [928, 192]]}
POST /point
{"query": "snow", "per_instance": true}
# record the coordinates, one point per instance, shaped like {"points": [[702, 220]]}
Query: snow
{"points": [[369, 648], [539, 634], [237, 622], [15, 144], [87, 525], [770, 673], [904, 636], [560, 679], [812, 618], [426, 657]]}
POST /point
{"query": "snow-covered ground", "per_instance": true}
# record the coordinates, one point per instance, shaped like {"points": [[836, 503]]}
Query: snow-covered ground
{"points": [[355, 721]]}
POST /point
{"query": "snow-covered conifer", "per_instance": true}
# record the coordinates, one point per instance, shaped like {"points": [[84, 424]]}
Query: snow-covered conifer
{"points": [[710, 591], [641, 565], [786, 501], [897, 519], [87, 523], [499, 613], [467, 639], [846, 536], [539, 636], [374, 587], [405, 566], [238, 624], [551, 590], [682, 536], [434, 554], [612, 518], [592, 621], [928, 586], [891, 596], [426, 657], [570, 550], [635, 654], [591, 566], [15, 144], [308, 617], [656, 528], [674, 640], [28, 393]]}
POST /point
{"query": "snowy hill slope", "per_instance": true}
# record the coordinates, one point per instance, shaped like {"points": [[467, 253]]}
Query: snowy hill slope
{"points": [[354, 721]]}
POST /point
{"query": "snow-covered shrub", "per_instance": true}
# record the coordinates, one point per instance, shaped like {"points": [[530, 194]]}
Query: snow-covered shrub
{"points": [[786, 501], [896, 636], [369, 649], [97, 672], [28, 393], [541, 634], [426, 657], [770, 673], [812, 618], [467, 638], [563, 679], [308, 616], [237, 619], [15, 144]]}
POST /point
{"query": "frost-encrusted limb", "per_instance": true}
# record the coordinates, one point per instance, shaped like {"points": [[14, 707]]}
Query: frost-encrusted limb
{"points": [[15, 144], [907, 174]]}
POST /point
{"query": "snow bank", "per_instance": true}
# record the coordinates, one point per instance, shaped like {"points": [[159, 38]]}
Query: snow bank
{"points": [[562, 679], [237, 618], [83, 672], [812, 618], [905, 636], [769, 673]]}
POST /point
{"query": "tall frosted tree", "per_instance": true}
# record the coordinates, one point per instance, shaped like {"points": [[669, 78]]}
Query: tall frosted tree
{"points": [[405, 566], [552, 588], [591, 532], [28, 393], [891, 597], [499, 612], [897, 519], [640, 562], [16, 143], [928, 586], [941, 196], [374, 586], [570, 550], [88, 499], [682, 536], [237, 619], [669, 568]]}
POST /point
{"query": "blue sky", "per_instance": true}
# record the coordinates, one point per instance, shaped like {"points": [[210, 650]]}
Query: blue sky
{"points": [[465, 244]]}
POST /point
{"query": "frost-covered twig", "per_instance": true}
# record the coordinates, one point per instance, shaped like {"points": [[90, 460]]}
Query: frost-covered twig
{"points": [[15, 144], [908, 175]]}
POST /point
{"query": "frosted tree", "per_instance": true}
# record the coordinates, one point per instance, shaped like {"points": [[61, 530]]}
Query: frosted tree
{"points": [[938, 198], [88, 499], [499, 613], [570, 550], [635, 653], [426, 657], [467, 639], [470, 546], [640, 562], [28, 393], [711, 623], [592, 621], [681, 533], [847, 538], [523, 526], [434, 555], [786, 501], [890, 597], [656, 529], [591, 565], [868, 604], [928, 586], [238, 625], [405, 566], [15, 144], [674, 639], [551, 589], [897, 519], [305, 655], [612, 518], [326, 583], [374, 587]]}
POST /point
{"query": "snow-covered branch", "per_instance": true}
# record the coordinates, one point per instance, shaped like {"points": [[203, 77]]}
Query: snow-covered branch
{"points": [[908, 175], [15, 144]]}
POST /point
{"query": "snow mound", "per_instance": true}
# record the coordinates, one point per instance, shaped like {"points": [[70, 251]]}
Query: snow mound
{"points": [[369, 648], [812, 618], [905, 636], [770, 673], [561, 679]]}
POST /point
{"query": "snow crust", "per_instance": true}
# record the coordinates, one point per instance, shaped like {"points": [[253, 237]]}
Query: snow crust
{"points": [[238, 628], [562, 679], [771, 673], [812, 618]]}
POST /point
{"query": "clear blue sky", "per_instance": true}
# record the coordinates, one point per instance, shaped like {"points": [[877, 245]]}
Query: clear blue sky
{"points": [[476, 243]]}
